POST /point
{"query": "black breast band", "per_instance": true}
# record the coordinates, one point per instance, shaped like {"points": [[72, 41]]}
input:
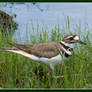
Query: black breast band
{"points": [[66, 47]]}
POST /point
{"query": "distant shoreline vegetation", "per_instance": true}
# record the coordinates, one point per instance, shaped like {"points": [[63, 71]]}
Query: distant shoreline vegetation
{"points": [[7, 23]]}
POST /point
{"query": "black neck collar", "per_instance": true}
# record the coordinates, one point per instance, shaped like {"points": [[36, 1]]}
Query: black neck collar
{"points": [[66, 47]]}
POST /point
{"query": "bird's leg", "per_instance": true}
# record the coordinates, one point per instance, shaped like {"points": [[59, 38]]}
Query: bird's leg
{"points": [[52, 73], [61, 68], [54, 76]]}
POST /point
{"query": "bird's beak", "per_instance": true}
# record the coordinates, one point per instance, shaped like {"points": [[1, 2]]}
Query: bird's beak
{"points": [[81, 42]]}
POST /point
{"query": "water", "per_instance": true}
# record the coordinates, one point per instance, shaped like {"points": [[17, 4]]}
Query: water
{"points": [[47, 15]]}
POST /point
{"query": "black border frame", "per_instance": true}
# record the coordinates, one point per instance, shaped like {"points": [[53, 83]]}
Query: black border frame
{"points": [[69, 1], [44, 89]]}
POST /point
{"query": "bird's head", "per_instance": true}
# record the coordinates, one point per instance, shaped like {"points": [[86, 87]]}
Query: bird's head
{"points": [[69, 40]]}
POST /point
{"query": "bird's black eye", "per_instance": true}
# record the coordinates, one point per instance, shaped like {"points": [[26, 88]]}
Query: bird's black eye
{"points": [[71, 38]]}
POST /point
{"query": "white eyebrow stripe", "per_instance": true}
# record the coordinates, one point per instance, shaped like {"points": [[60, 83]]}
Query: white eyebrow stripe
{"points": [[69, 37]]}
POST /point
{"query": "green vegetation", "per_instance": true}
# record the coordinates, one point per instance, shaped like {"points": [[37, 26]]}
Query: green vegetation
{"points": [[17, 71]]}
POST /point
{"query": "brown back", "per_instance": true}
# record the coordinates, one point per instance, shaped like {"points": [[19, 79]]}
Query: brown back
{"points": [[48, 49]]}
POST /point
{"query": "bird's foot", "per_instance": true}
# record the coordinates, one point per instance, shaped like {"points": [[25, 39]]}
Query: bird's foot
{"points": [[58, 77]]}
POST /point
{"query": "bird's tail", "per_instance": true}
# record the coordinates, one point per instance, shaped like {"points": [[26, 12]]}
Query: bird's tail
{"points": [[19, 49], [7, 49], [14, 50]]}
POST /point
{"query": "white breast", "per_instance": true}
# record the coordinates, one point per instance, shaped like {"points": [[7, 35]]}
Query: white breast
{"points": [[54, 60]]}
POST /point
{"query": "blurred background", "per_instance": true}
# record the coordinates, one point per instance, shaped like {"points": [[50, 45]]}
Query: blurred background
{"points": [[33, 17]]}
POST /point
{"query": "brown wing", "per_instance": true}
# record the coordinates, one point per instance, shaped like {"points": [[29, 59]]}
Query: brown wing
{"points": [[48, 49], [20, 46], [45, 50]]}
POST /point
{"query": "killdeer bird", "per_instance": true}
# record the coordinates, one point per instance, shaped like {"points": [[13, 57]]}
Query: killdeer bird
{"points": [[49, 53]]}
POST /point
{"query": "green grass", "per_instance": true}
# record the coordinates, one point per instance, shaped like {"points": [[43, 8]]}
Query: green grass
{"points": [[17, 71]]}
